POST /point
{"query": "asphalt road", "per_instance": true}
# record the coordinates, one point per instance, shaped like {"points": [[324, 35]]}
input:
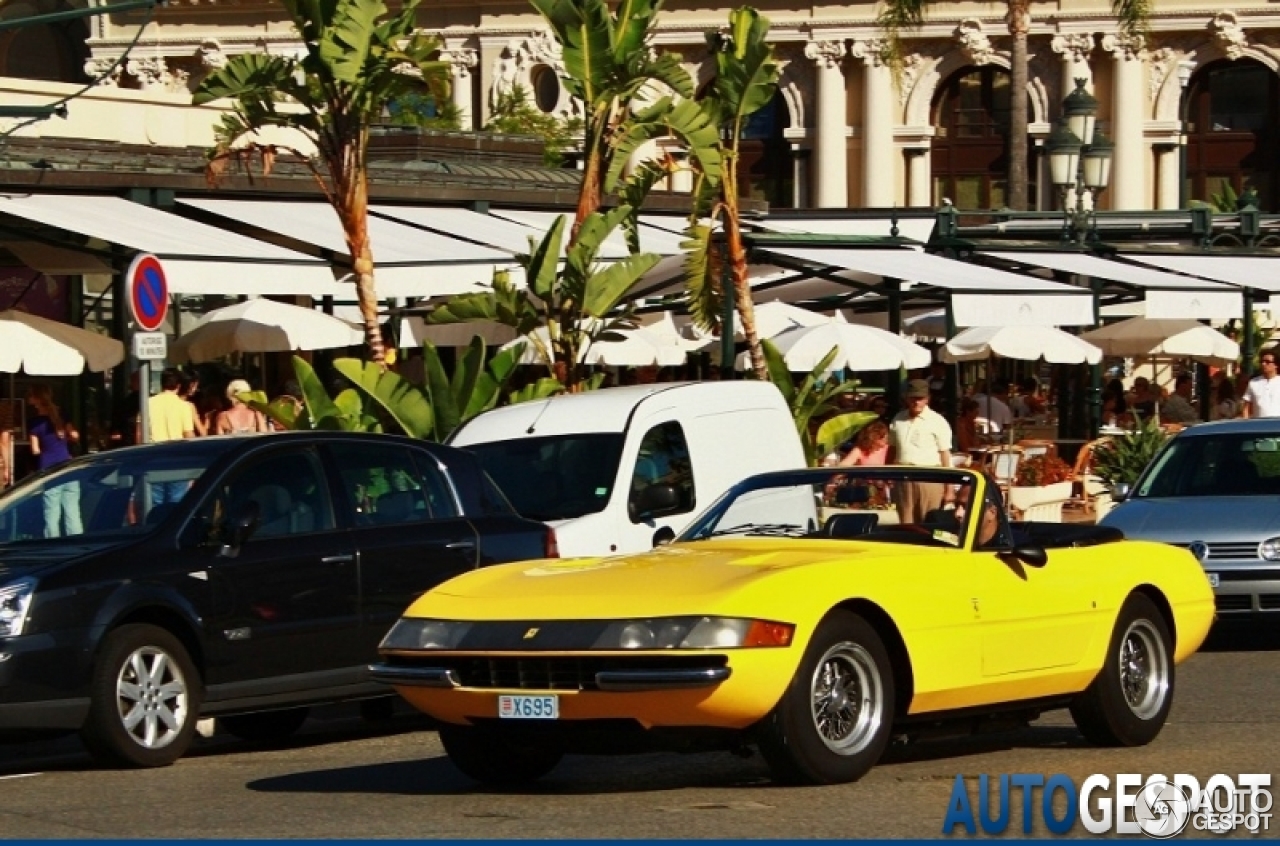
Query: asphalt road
{"points": [[342, 777]]}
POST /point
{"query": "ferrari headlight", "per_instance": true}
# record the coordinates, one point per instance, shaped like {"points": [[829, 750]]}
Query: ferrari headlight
{"points": [[15, 601], [694, 633], [1269, 549], [411, 633]]}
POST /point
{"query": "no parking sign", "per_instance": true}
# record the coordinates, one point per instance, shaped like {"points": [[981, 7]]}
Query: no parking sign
{"points": [[148, 292]]}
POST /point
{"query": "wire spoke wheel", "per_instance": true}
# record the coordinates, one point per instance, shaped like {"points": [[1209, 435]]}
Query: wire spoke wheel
{"points": [[1144, 669], [848, 699]]}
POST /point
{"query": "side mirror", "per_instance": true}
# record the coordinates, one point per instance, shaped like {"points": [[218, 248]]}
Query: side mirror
{"points": [[1121, 491], [240, 530], [1032, 556], [656, 500], [664, 536]]}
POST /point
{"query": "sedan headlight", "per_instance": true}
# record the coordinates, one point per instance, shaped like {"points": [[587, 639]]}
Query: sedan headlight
{"points": [[410, 633], [15, 601], [1269, 549], [694, 633]]}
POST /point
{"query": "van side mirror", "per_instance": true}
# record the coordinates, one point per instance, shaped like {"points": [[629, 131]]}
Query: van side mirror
{"points": [[656, 500], [241, 528]]}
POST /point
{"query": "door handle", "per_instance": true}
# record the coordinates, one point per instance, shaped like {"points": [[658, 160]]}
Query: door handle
{"points": [[346, 558], [462, 545]]}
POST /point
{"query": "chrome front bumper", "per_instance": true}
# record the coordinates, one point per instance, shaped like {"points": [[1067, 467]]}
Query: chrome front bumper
{"points": [[622, 681]]}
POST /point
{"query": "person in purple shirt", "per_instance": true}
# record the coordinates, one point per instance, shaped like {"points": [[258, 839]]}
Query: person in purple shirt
{"points": [[51, 440]]}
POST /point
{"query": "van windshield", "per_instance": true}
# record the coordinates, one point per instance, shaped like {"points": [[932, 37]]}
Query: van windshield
{"points": [[557, 477]]}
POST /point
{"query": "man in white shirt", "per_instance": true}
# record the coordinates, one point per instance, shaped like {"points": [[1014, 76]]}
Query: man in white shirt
{"points": [[920, 437], [1262, 397], [993, 409]]}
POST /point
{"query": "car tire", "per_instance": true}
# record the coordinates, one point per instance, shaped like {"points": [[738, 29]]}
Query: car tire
{"points": [[144, 699], [265, 726], [1128, 701], [497, 758], [815, 734]]}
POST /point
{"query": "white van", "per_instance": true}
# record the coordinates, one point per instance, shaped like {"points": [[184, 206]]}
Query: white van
{"points": [[616, 470]]}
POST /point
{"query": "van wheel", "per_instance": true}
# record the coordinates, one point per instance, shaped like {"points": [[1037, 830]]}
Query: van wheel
{"points": [[1129, 700], [265, 726], [144, 699], [832, 723], [497, 758]]}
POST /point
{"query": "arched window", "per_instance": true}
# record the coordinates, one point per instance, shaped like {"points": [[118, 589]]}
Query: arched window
{"points": [[46, 52], [970, 150], [1233, 127], [766, 170]]}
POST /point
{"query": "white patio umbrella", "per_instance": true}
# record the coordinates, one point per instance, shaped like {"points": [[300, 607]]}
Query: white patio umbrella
{"points": [[637, 348], [262, 326], [859, 348], [772, 319], [1143, 337], [414, 330], [42, 347], [1026, 343]]}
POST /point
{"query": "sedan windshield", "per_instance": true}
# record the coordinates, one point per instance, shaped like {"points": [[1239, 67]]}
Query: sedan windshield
{"points": [[893, 505], [1219, 465], [107, 495], [556, 477]]}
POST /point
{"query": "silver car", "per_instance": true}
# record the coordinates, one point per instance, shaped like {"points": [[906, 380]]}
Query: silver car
{"points": [[1215, 489]]}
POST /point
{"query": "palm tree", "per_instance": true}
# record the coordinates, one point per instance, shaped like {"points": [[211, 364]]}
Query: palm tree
{"points": [[357, 60], [897, 15], [746, 80]]}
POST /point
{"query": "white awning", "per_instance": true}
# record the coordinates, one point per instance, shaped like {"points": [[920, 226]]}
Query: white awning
{"points": [[980, 296], [465, 224], [652, 239], [915, 228], [198, 259], [408, 262], [1167, 295], [1258, 272]]}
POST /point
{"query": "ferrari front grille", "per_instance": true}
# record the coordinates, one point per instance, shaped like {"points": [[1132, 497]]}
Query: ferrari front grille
{"points": [[568, 672]]}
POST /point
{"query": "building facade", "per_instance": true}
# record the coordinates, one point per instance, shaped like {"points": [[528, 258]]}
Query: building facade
{"points": [[1192, 106]]}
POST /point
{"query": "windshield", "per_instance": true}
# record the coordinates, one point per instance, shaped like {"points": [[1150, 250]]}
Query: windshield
{"points": [[1237, 464], [555, 477], [108, 495], [925, 507]]}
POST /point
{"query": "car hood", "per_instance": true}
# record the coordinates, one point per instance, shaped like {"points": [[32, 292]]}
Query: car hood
{"points": [[677, 579], [28, 559], [1186, 519]]}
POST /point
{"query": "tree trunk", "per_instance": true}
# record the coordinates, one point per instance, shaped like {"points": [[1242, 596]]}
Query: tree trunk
{"points": [[739, 277], [1019, 22], [352, 195]]}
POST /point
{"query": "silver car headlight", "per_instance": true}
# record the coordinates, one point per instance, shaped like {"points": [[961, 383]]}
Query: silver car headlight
{"points": [[1269, 549], [694, 633], [410, 633], [15, 601]]}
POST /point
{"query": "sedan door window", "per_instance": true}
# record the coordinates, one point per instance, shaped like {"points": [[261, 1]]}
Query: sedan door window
{"points": [[384, 485], [288, 489]]}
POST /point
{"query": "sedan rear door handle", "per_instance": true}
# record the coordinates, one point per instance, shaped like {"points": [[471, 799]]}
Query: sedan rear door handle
{"points": [[346, 558], [462, 544]]}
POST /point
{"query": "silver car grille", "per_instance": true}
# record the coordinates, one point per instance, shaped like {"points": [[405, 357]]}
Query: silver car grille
{"points": [[1230, 551]]}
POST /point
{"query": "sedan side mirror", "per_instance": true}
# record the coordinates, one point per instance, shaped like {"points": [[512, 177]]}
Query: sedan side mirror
{"points": [[240, 529], [1121, 491], [656, 500]]}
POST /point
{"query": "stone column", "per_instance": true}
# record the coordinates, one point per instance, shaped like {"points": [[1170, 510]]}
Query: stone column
{"points": [[831, 165], [879, 171], [1128, 102], [919, 177], [1168, 175], [462, 60], [1075, 49]]}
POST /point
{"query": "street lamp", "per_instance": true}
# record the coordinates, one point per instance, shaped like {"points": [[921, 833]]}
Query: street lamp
{"points": [[1077, 166]]}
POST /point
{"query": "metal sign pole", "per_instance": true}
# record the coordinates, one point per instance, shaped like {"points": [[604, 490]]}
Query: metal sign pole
{"points": [[144, 394]]}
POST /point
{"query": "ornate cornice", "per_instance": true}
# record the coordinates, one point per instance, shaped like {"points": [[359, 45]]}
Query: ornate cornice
{"points": [[1124, 47], [973, 42], [873, 51], [1229, 34], [461, 59], [1075, 46]]}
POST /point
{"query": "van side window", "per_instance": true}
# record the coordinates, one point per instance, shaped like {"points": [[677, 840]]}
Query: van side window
{"points": [[663, 459]]}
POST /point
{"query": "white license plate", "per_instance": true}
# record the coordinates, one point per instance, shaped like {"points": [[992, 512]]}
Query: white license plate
{"points": [[529, 707], [1213, 579]]}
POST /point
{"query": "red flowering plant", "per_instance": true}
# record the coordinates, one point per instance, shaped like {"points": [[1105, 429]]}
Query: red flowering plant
{"points": [[1042, 470]]}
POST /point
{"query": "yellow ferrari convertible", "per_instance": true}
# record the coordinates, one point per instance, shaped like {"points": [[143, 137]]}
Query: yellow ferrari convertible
{"points": [[812, 614]]}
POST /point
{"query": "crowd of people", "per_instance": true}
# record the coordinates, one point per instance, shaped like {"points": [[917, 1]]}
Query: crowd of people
{"points": [[184, 408], [1228, 398]]}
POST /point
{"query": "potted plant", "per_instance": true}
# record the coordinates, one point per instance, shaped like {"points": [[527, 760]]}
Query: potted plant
{"points": [[1040, 487], [1120, 460]]}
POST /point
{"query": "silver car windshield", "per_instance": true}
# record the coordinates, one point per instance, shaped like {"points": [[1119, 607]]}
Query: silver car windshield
{"points": [[1222, 465], [99, 497]]}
